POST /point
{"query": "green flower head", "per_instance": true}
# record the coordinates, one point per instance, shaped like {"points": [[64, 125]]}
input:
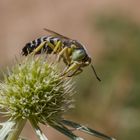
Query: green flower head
{"points": [[35, 89]]}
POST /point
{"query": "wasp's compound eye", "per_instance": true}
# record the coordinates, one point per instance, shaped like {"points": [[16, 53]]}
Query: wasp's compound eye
{"points": [[78, 54]]}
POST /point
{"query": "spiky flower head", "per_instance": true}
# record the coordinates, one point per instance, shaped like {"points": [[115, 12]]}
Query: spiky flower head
{"points": [[35, 89]]}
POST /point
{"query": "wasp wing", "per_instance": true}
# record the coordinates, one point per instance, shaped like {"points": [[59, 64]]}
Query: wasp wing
{"points": [[56, 34]]}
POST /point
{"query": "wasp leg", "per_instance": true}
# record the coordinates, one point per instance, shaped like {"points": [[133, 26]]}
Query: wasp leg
{"points": [[50, 45], [78, 71], [60, 54], [66, 61], [73, 67], [57, 47], [42, 45], [65, 54], [39, 47]]}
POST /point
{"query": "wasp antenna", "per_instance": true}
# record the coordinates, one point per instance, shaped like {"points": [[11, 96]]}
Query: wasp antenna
{"points": [[95, 73]]}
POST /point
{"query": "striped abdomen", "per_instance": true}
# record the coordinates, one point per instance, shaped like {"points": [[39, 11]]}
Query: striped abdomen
{"points": [[29, 47]]}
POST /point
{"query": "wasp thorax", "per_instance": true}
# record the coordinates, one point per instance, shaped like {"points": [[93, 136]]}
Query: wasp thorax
{"points": [[78, 54]]}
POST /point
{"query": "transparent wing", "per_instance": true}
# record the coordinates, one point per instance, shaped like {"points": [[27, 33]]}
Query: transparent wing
{"points": [[56, 34]]}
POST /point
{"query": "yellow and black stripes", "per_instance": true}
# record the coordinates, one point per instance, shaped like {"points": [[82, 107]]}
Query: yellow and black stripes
{"points": [[31, 46]]}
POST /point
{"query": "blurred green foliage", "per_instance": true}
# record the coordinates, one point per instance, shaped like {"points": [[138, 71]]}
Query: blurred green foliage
{"points": [[114, 103], [122, 41]]}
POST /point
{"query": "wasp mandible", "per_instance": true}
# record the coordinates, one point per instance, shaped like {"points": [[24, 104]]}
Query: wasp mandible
{"points": [[71, 51]]}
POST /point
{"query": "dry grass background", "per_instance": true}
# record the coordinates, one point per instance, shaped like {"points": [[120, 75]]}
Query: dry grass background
{"points": [[22, 21]]}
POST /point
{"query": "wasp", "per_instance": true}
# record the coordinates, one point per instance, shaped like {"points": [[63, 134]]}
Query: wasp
{"points": [[71, 51]]}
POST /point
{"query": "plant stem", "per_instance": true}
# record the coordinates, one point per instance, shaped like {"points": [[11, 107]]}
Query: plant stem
{"points": [[14, 135], [37, 130]]}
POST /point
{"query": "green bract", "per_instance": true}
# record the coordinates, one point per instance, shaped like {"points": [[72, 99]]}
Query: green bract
{"points": [[35, 89]]}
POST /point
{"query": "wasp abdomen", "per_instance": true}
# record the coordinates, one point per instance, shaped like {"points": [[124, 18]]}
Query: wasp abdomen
{"points": [[29, 47]]}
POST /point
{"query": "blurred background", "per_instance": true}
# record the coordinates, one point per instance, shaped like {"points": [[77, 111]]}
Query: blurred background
{"points": [[110, 29]]}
